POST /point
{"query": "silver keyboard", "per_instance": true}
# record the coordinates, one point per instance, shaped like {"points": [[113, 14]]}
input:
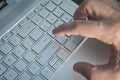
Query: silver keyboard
{"points": [[30, 51]]}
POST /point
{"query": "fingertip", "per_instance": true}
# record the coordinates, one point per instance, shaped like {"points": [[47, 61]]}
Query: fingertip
{"points": [[76, 67], [66, 28], [83, 68], [54, 31], [57, 32]]}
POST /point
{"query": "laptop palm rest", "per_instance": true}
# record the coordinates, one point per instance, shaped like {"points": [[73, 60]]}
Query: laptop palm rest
{"points": [[92, 51]]}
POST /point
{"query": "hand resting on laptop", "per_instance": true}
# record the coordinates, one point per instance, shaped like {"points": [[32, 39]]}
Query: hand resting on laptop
{"points": [[104, 25]]}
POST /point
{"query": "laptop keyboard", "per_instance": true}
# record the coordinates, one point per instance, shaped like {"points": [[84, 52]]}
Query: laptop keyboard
{"points": [[30, 51]]}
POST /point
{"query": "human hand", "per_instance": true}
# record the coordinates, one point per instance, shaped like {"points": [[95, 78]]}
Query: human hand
{"points": [[104, 25]]}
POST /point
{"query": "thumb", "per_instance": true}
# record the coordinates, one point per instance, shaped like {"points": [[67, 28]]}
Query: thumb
{"points": [[85, 28], [84, 69]]}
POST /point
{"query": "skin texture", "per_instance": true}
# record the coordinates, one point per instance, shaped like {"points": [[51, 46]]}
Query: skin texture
{"points": [[104, 25]]}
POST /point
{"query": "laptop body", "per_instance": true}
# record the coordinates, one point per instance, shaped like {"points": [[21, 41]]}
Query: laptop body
{"points": [[32, 63]]}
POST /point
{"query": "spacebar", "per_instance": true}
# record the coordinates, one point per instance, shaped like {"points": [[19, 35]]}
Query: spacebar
{"points": [[48, 53]]}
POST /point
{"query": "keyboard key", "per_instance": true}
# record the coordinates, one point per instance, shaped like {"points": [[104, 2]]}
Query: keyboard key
{"points": [[37, 8], [15, 29], [57, 1], [45, 25], [23, 22], [73, 42], [58, 12], [34, 68], [58, 22], [24, 76], [11, 75], [27, 43], [57, 64], [37, 19], [66, 17], [31, 14], [50, 32], [52, 61], [41, 44], [9, 60], [44, 2], [36, 33], [20, 65], [48, 53], [47, 72], [52, 18], [2, 69], [19, 51], [29, 56], [68, 7], [14, 40], [6, 36], [28, 27], [5, 48], [62, 54], [44, 12], [61, 39], [1, 56], [50, 6], [38, 78]]}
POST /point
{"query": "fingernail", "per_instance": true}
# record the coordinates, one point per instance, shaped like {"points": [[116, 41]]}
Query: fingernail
{"points": [[76, 68], [54, 31]]}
